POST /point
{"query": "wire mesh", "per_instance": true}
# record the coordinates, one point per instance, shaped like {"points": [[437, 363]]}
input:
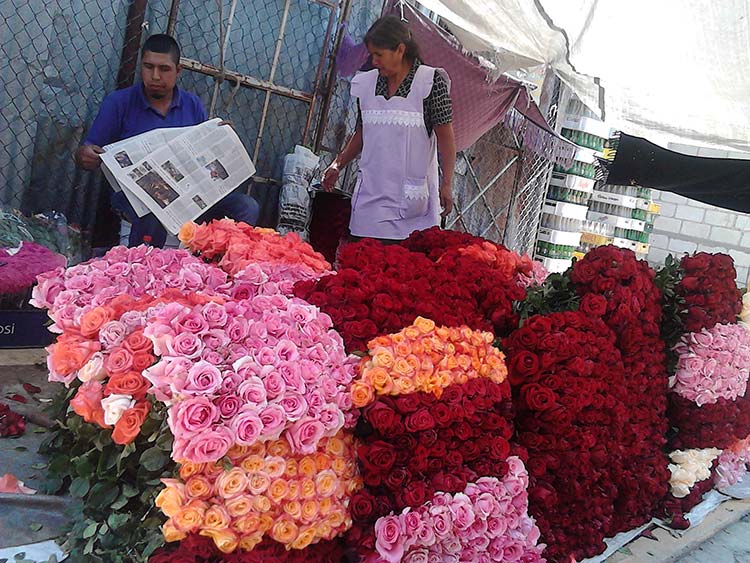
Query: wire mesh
{"points": [[59, 58]]}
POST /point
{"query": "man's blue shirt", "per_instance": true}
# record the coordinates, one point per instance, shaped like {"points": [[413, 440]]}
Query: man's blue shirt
{"points": [[126, 113]]}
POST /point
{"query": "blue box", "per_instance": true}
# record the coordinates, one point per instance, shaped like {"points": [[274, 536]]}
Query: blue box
{"points": [[24, 328]]}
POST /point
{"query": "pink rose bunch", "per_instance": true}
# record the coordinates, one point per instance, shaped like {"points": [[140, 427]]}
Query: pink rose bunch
{"points": [[18, 270], [488, 522], [249, 371], [139, 271], [713, 364], [733, 464], [297, 500], [535, 277]]}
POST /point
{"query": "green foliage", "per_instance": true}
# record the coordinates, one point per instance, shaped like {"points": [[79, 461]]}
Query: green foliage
{"points": [[673, 306], [555, 295], [116, 484]]}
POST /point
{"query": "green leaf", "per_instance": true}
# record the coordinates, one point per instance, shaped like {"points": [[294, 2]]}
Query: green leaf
{"points": [[153, 459], [39, 466], [79, 487], [103, 494], [120, 503], [117, 519], [35, 526], [129, 490], [21, 449], [90, 531]]}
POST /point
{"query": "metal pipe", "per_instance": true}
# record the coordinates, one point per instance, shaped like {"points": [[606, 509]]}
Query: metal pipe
{"points": [[245, 80], [486, 188], [172, 22], [131, 44], [274, 64], [319, 75], [331, 77]]}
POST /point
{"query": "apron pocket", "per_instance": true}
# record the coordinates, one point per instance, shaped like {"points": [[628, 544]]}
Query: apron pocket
{"points": [[416, 198]]}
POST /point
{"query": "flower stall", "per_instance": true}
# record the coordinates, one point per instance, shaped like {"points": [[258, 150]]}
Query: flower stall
{"points": [[440, 399]]}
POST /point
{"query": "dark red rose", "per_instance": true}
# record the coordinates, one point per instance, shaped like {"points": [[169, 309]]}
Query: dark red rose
{"points": [[408, 403], [442, 414], [415, 494], [523, 367], [538, 398], [593, 305], [419, 421], [398, 478], [378, 456], [362, 506], [452, 395], [381, 417]]}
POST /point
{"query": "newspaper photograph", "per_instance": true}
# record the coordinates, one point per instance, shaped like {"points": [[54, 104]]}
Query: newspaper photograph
{"points": [[178, 176]]}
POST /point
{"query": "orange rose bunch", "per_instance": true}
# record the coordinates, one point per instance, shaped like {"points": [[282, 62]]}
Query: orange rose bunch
{"points": [[238, 245], [427, 358], [265, 490]]}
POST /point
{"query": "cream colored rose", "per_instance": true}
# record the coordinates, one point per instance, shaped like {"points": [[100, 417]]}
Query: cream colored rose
{"points": [[93, 370], [688, 468], [114, 406], [745, 313]]}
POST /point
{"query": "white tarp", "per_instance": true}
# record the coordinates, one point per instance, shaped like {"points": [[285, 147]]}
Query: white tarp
{"points": [[669, 70]]}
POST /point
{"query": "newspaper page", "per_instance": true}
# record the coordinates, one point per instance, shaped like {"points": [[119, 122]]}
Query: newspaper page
{"points": [[187, 174]]}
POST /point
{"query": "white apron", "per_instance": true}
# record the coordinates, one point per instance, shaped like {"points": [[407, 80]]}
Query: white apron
{"points": [[397, 191]]}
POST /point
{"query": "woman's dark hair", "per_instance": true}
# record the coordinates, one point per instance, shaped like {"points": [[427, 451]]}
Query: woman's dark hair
{"points": [[388, 33]]}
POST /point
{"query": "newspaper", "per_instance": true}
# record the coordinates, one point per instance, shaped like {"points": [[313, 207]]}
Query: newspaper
{"points": [[178, 173]]}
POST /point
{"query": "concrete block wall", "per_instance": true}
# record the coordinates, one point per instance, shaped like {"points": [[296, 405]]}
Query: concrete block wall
{"points": [[687, 226]]}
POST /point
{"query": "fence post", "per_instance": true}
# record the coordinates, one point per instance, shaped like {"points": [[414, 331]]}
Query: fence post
{"points": [[131, 43]]}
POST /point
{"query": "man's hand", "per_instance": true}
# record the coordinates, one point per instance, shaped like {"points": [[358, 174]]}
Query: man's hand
{"points": [[87, 157], [446, 198], [331, 176], [226, 122]]}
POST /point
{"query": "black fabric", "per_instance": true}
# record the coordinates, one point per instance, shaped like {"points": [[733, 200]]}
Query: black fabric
{"points": [[723, 182]]}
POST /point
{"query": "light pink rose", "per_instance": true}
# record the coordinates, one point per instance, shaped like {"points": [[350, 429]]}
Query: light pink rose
{"points": [[194, 322], [202, 379], [294, 405], [253, 391], [417, 556], [215, 338], [192, 415], [390, 538], [266, 356], [274, 383], [287, 351], [203, 447], [133, 320], [93, 370], [230, 381], [161, 336], [315, 400], [462, 511], [441, 521], [247, 426], [215, 315], [426, 534], [332, 419], [273, 418], [237, 329], [412, 525], [292, 376], [212, 357], [451, 545], [496, 525], [485, 505], [228, 405], [304, 436], [258, 331], [112, 333], [185, 344]]}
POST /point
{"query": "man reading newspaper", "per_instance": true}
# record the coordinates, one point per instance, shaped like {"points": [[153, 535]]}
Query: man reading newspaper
{"points": [[155, 103]]}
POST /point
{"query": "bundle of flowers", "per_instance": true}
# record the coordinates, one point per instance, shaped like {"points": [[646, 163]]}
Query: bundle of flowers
{"points": [[19, 269], [436, 416], [620, 289], [236, 246], [714, 425], [453, 278], [140, 271], [709, 290], [295, 499], [733, 464], [12, 424], [744, 316], [692, 476], [167, 356], [379, 289], [488, 521], [248, 371], [712, 364], [568, 386], [201, 549]]}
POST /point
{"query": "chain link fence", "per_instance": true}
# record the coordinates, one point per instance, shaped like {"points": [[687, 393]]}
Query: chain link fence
{"points": [[266, 65]]}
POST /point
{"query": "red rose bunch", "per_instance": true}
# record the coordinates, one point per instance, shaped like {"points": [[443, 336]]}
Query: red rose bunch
{"points": [[568, 386], [11, 424], [379, 289], [201, 549], [620, 289], [716, 425], [330, 223], [709, 289], [435, 242], [673, 509]]}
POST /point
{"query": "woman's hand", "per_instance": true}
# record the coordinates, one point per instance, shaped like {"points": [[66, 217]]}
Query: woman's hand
{"points": [[446, 198], [331, 176]]}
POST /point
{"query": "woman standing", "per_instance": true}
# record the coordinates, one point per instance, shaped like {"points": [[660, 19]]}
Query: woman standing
{"points": [[405, 120]]}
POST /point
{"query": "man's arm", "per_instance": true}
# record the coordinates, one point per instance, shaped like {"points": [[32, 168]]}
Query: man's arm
{"points": [[104, 130]]}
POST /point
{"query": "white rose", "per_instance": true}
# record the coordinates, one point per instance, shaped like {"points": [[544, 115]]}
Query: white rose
{"points": [[745, 313], [114, 406], [93, 370]]}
